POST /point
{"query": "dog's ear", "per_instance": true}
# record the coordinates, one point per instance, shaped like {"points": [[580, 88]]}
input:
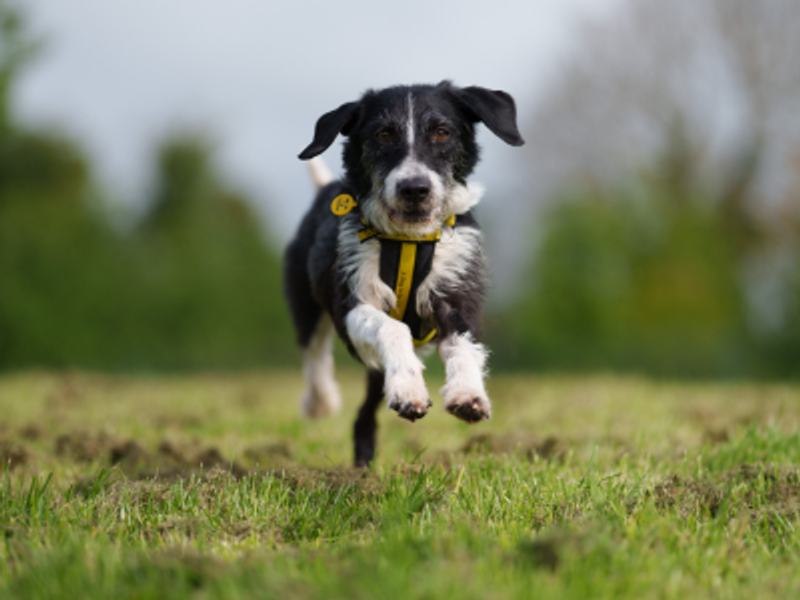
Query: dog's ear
{"points": [[328, 127], [495, 108]]}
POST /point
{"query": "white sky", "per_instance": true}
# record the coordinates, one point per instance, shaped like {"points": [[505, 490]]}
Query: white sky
{"points": [[256, 74]]}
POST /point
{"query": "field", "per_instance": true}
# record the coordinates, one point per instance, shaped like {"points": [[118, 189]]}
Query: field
{"points": [[213, 487]]}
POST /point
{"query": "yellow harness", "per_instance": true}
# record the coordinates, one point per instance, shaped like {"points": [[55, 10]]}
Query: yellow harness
{"points": [[404, 264]]}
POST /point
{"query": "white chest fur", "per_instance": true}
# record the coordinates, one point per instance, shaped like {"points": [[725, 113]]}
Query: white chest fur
{"points": [[359, 263]]}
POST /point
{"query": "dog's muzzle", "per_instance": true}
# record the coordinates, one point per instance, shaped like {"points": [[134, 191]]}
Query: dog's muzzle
{"points": [[414, 195], [414, 190]]}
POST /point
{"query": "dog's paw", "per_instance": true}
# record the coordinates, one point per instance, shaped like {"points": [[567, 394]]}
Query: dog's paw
{"points": [[320, 402], [410, 410], [469, 406], [408, 396]]}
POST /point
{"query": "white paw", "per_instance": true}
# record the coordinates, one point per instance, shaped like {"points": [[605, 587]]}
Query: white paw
{"points": [[470, 405], [321, 401], [406, 393]]}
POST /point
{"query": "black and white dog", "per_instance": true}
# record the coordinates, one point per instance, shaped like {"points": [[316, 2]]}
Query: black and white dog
{"points": [[390, 256]]}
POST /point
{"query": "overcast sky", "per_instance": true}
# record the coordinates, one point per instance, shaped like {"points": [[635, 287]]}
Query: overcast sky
{"points": [[256, 74]]}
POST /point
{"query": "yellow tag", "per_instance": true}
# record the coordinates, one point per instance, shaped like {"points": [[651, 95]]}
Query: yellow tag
{"points": [[342, 204]]}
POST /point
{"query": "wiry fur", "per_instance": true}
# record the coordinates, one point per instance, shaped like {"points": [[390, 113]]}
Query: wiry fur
{"points": [[408, 154], [465, 369], [359, 264], [321, 396]]}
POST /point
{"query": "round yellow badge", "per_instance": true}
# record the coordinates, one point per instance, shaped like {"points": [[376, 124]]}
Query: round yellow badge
{"points": [[342, 204]]}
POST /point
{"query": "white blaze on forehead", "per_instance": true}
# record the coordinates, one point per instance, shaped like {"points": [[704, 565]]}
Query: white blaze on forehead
{"points": [[410, 122], [445, 197]]}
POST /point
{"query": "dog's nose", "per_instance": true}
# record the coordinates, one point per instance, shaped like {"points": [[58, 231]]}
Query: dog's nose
{"points": [[414, 189]]}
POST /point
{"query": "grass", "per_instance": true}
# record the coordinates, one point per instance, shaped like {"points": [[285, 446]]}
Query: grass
{"points": [[213, 487]]}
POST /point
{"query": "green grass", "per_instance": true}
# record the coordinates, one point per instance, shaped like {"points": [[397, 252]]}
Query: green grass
{"points": [[213, 487]]}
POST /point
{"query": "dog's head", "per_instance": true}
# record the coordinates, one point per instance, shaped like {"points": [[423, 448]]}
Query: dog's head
{"points": [[410, 149]]}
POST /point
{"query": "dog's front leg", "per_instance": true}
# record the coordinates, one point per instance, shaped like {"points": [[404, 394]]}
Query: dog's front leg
{"points": [[385, 344], [465, 363]]}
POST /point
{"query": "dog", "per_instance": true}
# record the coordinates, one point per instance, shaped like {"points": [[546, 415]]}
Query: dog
{"points": [[390, 256]]}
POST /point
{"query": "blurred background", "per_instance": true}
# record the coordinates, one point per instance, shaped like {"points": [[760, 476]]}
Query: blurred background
{"points": [[149, 180]]}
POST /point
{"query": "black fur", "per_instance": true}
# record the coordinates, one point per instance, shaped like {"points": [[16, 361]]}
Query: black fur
{"points": [[379, 140], [366, 424]]}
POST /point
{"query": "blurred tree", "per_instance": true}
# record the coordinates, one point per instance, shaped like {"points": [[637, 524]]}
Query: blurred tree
{"points": [[54, 252], [194, 286], [629, 279], [211, 289], [724, 69], [672, 121], [16, 48], [780, 343]]}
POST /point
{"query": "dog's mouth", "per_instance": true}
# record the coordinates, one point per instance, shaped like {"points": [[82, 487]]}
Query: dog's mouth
{"points": [[410, 216]]}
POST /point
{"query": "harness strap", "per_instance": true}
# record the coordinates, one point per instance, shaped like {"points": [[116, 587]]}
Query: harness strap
{"points": [[404, 263], [403, 267], [370, 232], [405, 277]]}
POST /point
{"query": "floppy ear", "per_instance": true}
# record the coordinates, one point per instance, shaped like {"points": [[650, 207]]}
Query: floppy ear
{"points": [[328, 127], [496, 109]]}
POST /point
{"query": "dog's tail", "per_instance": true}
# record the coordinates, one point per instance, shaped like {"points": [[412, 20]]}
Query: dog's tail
{"points": [[320, 173]]}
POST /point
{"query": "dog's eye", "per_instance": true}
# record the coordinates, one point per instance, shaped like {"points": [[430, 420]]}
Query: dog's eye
{"points": [[440, 134], [384, 135]]}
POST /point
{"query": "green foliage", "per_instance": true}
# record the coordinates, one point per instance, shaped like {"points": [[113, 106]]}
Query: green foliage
{"points": [[208, 290], [643, 279], [781, 347], [16, 49], [192, 286], [57, 258]]}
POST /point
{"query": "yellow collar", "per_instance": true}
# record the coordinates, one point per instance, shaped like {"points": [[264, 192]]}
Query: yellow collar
{"points": [[344, 203], [371, 232]]}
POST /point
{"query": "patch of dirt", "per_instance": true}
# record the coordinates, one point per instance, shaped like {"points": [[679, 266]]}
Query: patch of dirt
{"points": [[773, 494], [182, 421], [130, 454], [171, 461], [32, 432], [250, 397], [12, 455], [196, 568], [168, 461], [558, 547], [70, 389], [541, 552], [717, 426], [338, 477], [269, 453], [783, 480], [716, 436], [686, 495], [170, 453], [83, 447], [768, 491], [526, 444], [176, 529], [156, 489]]}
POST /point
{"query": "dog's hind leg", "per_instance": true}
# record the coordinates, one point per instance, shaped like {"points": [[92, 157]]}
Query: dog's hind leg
{"points": [[321, 396], [367, 424], [314, 334]]}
